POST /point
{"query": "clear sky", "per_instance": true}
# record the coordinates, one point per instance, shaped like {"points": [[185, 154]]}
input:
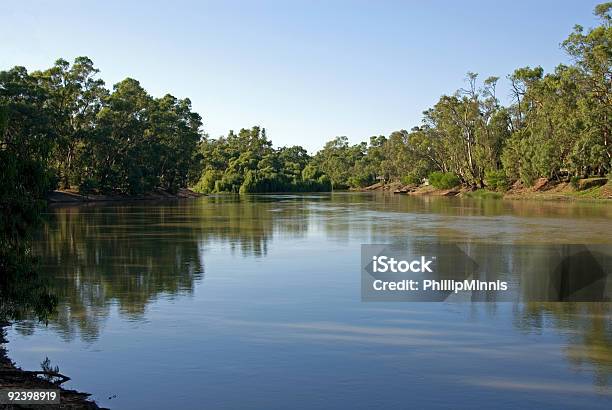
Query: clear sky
{"points": [[305, 70]]}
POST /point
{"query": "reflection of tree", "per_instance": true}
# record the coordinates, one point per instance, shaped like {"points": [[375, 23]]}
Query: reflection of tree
{"points": [[98, 256], [247, 223], [587, 327]]}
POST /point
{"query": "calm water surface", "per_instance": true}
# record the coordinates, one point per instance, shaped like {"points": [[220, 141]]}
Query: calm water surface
{"points": [[254, 302]]}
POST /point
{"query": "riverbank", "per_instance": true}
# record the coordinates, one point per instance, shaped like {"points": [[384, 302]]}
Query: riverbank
{"points": [[589, 189], [71, 196], [12, 376]]}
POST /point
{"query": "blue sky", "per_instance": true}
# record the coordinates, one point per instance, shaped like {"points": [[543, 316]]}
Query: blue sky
{"points": [[305, 70]]}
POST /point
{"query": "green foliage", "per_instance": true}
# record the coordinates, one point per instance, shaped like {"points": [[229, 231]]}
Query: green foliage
{"points": [[411, 179], [142, 143], [246, 163], [310, 172], [206, 184], [61, 127], [562, 120], [96, 140], [496, 180], [338, 160], [360, 181], [443, 180]]}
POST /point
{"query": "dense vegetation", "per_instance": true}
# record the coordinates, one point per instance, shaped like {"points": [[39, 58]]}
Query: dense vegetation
{"points": [[246, 163], [124, 140]]}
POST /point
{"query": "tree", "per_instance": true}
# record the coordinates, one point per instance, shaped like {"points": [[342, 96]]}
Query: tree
{"points": [[592, 54], [25, 147], [74, 96]]}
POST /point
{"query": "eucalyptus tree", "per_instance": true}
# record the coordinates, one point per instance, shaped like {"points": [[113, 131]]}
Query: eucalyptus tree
{"points": [[75, 96], [591, 52]]}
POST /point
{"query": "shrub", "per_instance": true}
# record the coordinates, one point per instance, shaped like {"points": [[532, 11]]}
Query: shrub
{"points": [[206, 184], [310, 172], [496, 180], [250, 183], [411, 179], [360, 180], [443, 180]]}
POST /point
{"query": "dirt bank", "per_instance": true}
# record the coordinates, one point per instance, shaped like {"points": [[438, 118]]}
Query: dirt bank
{"points": [[12, 376], [413, 189], [543, 189], [69, 196]]}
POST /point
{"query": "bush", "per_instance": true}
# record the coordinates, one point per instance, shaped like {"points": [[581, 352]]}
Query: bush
{"points": [[310, 172], [206, 184], [496, 180], [443, 180], [411, 179], [250, 183], [360, 181]]}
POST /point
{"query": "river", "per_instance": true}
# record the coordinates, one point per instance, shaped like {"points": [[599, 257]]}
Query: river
{"points": [[253, 302]]}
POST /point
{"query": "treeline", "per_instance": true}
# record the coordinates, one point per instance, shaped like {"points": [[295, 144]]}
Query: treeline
{"points": [[247, 163], [558, 127], [88, 137]]}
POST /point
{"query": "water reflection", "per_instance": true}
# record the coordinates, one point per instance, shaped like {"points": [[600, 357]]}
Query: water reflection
{"points": [[99, 256], [103, 258], [587, 328], [248, 223]]}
